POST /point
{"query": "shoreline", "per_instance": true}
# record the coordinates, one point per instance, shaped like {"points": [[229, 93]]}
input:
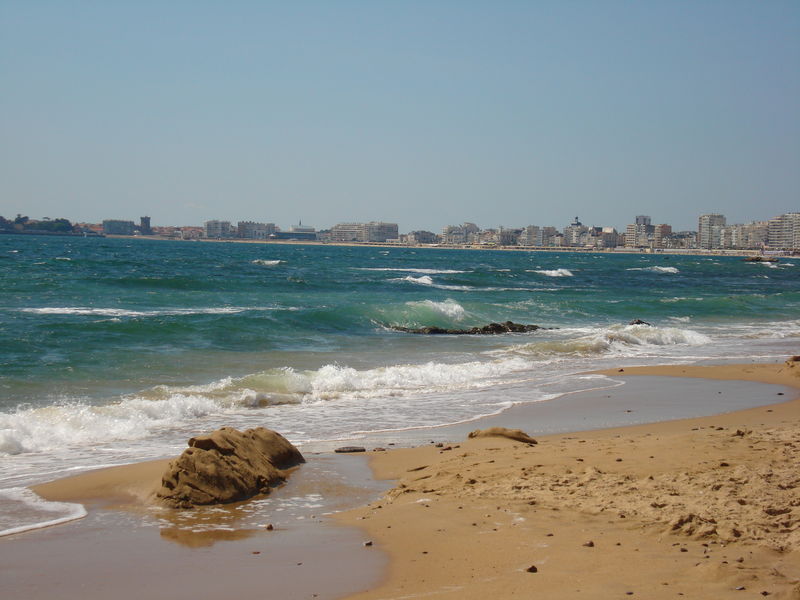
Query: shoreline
{"points": [[402, 506], [620, 251]]}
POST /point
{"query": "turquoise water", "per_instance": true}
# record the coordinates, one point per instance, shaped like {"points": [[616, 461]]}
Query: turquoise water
{"points": [[115, 350]]}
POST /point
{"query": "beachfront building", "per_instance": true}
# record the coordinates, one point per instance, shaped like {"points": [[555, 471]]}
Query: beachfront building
{"points": [[575, 234], [640, 233], [422, 237], [530, 236], [144, 226], [467, 233], [216, 230], [374, 231], [117, 227], [250, 230], [709, 230], [784, 232]]}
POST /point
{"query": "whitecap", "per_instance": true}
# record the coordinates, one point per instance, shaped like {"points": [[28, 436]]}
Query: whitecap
{"points": [[449, 308], [266, 263], [411, 270], [553, 272], [121, 312], [655, 269]]}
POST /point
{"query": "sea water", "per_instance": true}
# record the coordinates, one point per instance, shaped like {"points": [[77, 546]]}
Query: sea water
{"points": [[118, 350]]}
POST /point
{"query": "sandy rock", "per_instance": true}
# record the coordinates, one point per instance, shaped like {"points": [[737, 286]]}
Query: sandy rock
{"points": [[226, 466], [512, 434]]}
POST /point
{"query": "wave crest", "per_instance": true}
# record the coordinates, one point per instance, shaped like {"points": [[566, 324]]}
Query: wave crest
{"points": [[655, 269], [554, 272]]}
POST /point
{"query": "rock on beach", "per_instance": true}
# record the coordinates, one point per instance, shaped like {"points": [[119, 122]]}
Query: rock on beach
{"points": [[227, 465]]}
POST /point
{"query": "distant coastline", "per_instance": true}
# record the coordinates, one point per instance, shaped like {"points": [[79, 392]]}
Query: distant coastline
{"points": [[571, 249]]}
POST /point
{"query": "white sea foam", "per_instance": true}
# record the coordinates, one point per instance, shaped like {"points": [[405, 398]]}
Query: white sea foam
{"points": [[121, 312], [553, 272], [622, 340], [63, 258], [449, 308], [266, 263], [24, 511], [411, 270], [77, 423], [655, 269], [428, 280]]}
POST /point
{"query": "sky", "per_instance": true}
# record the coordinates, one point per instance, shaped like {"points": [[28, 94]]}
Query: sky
{"points": [[425, 113]]}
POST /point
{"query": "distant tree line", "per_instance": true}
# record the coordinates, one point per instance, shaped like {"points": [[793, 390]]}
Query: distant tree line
{"points": [[22, 224]]}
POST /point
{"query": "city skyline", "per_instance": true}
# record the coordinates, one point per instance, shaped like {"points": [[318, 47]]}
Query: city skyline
{"points": [[496, 113]]}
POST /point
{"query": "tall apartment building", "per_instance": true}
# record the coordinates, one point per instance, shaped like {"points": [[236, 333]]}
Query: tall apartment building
{"points": [[144, 226], [218, 229], [640, 234], [784, 232], [575, 233], [709, 230], [530, 236]]}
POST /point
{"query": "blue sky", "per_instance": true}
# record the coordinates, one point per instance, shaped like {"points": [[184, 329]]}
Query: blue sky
{"points": [[424, 113]]}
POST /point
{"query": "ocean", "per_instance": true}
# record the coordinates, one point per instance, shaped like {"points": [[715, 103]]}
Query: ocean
{"points": [[118, 350]]}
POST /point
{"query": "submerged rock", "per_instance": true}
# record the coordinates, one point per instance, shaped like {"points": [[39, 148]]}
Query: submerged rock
{"points": [[490, 329], [226, 466]]}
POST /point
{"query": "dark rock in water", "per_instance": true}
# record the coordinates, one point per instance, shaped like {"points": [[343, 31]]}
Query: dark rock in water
{"points": [[762, 259], [350, 449], [227, 466], [639, 322], [490, 329]]}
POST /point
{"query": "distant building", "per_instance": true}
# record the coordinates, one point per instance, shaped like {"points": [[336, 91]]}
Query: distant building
{"points": [[144, 226], [423, 237], [115, 227], [374, 231], [784, 232], [575, 233], [250, 230], [530, 236], [640, 234], [508, 237], [216, 230], [709, 229]]}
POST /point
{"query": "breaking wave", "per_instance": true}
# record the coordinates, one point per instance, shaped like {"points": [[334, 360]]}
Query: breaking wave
{"points": [[121, 312], [428, 280], [136, 417], [449, 308], [621, 339], [410, 270], [553, 272], [266, 263], [655, 269]]}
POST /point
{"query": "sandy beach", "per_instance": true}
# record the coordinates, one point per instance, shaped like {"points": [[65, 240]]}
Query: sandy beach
{"points": [[701, 508]]}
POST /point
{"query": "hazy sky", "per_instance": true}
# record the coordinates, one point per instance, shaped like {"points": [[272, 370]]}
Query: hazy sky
{"points": [[424, 113]]}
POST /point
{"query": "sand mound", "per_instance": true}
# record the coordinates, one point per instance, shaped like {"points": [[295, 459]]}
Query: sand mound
{"points": [[227, 465], [512, 434]]}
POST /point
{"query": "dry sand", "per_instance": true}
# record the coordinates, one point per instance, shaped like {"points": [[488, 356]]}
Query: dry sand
{"points": [[699, 508]]}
